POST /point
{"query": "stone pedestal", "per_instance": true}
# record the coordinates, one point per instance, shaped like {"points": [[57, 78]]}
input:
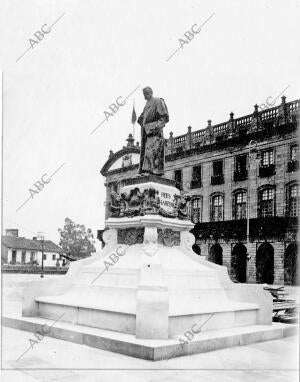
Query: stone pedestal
{"points": [[152, 313], [147, 281]]}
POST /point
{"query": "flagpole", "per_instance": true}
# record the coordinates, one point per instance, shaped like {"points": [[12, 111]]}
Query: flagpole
{"points": [[133, 125]]}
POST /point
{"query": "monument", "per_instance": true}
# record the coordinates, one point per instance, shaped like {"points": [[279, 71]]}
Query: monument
{"points": [[147, 288], [152, 120]]}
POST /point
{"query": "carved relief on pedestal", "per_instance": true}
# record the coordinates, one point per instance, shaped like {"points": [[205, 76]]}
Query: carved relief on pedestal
{"points": [[109, 237], [131, 236], [182, 205], [150, 204], [150, 246], [138, 203], [168, 237], [117, 205], [187, 240], [133, 202]]}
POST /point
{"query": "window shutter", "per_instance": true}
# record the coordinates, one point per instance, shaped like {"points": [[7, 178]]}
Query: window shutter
{"points": [[223, 207], [259, 203], [274, 201], [233, 207]]}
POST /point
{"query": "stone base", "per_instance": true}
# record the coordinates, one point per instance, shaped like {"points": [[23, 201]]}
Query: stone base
{"points": [[153, 350], [166, 326], [147, 281], [153, 291]]}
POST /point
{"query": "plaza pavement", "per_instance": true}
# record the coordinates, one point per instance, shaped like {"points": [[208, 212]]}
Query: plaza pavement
{"points": [[58, 360]]}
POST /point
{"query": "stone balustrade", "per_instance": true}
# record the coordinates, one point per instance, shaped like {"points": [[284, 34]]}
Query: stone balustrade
{"points": [[235, 127]]}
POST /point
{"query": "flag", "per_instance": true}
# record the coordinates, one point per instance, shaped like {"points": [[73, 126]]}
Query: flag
{"points": [[133, 117]]}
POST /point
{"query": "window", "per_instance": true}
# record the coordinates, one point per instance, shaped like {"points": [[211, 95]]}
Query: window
{"points": [[196, 210], [53, 257], [32, 256], [266, 203], [45, 256], [218, 167], [240, 205], [14, 257], [23, 257], [196, 177], [293, 164], [217, 172], [293, 200], [127, 160], [267, 158], [294, 152], [217, 210], [241, 163], [267, 167], [240, 172], [178, 176]]}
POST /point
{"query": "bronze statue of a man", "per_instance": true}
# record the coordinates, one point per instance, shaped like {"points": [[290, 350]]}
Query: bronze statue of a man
{"points": [[152, 120]]}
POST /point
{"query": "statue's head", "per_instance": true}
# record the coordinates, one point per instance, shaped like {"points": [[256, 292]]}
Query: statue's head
{"points": [[148, 93]]}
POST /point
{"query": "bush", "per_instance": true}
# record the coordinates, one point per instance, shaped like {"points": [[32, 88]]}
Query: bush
{"points": [[33, 263], [14, 263]]}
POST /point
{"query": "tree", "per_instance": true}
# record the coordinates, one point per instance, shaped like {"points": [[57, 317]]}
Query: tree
{"points": [[75, 240]]}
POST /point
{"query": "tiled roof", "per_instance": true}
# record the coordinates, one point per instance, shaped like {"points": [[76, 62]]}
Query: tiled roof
{"points": [[28, 244]]}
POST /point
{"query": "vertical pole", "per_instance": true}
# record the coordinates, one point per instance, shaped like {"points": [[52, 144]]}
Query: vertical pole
{"points": [[133, 124], [248, 218], [251, 143], [133, 130], [42, 241], [2, 142]]}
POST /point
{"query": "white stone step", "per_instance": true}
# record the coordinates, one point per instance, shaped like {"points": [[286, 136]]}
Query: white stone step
{"points": [[153, 350]]}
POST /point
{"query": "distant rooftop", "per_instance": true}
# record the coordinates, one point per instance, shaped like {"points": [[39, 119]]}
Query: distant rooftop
{"points": [[259, 122], [30, 244]]}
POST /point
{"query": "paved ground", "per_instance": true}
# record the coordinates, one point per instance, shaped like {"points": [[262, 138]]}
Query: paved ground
{"points": [[272, 360], [57, 360]]}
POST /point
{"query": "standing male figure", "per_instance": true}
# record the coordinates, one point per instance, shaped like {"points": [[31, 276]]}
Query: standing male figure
{"points": [[152, 120]]}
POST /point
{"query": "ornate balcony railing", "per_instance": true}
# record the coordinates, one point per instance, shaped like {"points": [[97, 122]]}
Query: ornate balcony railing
{"points": [[178, 141], [266, 171], [240, 175], [198, 135], [260, 229], [243, 122], [217, 179], [196, 183], [292, 166], [275, 120]]}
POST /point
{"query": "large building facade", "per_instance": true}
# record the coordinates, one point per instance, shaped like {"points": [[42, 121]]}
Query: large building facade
{"points": [[242, 176]]}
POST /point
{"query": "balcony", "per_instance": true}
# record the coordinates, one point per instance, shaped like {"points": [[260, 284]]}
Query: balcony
{"points": [[236, 131], [196, 183], [240, 175], [266, 171], [178, 185], [292, 166], [217, 179], [278, 227]]}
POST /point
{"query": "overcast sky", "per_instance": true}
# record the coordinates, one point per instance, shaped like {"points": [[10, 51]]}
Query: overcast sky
{"points": [[56, 94]]}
